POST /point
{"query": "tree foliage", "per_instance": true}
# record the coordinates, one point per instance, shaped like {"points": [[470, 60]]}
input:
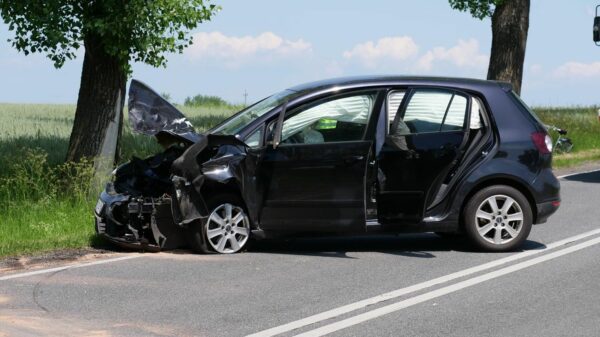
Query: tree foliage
{"points": [[130, 30], [479, 9]]}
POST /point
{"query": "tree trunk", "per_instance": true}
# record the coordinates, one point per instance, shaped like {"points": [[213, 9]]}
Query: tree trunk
{"points": [[99, 114], [510, 23]]}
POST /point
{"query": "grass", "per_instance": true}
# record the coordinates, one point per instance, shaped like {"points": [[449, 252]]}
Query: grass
{"points": [[45, 204], [583, 128]]}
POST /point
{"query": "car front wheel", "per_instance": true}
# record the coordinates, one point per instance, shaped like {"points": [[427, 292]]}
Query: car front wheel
{"points": [[498, 218], [226, 230]]}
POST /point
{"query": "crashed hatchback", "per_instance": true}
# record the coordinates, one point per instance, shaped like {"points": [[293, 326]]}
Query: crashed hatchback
{"points": [[351, 155]]}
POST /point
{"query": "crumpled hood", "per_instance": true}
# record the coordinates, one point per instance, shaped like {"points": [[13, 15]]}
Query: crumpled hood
{"points": [[151, 114]]}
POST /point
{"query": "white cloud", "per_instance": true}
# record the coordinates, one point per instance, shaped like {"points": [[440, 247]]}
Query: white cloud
{"points": [[464, 54], [394, 48], [234, 48], [536, 68], [578, 70]]}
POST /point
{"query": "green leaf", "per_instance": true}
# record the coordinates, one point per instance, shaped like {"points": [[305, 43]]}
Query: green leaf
{"points": [[139, 30], [479, 9]]}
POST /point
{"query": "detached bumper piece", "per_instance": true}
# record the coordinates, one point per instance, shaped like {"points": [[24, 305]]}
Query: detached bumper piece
{"points": [[140, 223]]}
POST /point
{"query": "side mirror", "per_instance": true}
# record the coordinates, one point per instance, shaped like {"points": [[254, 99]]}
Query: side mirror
{"points": [[597, 27], [279, 126]]}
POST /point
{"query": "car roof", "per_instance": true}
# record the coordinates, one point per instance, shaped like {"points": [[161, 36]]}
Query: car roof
{"points": [[381, 80]]}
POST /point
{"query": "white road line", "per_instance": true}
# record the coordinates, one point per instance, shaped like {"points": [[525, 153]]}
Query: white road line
{"points": [[574, 174], [348, 322], [404, 291], [73, 266]]}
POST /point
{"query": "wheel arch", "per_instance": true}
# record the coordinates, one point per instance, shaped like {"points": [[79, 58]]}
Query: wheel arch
{"points": [[212, 188], [231, 186], [513, 182]]}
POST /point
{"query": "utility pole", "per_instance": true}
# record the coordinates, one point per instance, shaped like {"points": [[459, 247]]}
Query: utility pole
{"points": [[245, 97]]}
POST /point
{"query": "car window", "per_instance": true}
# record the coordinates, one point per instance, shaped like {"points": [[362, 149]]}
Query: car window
{"points": [[253, 140], [476, 112], [433, 111], [393, 104], [335, 120], [455, 117]]}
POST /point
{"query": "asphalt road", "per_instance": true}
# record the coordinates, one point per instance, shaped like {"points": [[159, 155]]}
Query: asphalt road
{"points": [[409, 285]]}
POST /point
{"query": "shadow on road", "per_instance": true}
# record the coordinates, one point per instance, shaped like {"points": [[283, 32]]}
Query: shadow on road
{"points": [[423, 245], [589, 177], [411, 245]]}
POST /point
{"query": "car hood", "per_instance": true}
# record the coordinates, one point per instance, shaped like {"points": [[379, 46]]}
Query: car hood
{"points": [[151, 114]]}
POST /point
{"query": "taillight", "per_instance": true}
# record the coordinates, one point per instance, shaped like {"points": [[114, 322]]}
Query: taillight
{"points": [[542, 142]]}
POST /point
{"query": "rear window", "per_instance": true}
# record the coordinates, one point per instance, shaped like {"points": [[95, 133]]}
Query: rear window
{"points": [[524, 106]]}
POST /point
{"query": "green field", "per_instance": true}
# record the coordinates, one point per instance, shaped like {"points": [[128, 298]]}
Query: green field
{"points": [[584, 130], [45, 204]]}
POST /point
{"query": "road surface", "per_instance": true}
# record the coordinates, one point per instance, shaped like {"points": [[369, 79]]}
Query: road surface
{"points": [[408, 285]]}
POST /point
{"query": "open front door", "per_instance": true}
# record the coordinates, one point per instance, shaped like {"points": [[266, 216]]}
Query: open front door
{"points": [[424, 141], [314, 179]]}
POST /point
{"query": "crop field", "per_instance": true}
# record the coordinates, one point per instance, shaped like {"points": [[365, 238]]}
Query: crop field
{"points": [[46, 204]]}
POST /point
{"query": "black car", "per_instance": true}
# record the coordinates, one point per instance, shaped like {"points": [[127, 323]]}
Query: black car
{"points": [[350, 155]]}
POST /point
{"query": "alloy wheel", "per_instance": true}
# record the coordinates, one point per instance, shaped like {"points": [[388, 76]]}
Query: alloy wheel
{"points": [[499, 219], [227, 229]]}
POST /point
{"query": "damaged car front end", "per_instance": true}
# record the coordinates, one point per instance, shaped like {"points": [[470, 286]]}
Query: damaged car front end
{"points": [[156, 203]]}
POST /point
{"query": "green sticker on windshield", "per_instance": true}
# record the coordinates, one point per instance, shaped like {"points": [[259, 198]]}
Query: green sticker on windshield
{"points": [[325, 124]]}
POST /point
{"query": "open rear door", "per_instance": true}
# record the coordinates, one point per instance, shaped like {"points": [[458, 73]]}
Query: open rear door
{"points": [[424, 143]]}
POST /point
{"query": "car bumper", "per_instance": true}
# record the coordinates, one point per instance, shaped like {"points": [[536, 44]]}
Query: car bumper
{"points": [[545, 210], [116, 220]]}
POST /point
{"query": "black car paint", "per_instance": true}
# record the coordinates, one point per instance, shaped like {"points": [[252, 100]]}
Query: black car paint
{"points": [[328, 188]]}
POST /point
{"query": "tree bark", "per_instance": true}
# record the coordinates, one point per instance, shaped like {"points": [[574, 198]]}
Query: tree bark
{"points": [[510, 23], [99, 114]]}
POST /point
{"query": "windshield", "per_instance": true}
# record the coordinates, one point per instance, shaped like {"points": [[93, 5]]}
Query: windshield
{"points": [[244, 117]]}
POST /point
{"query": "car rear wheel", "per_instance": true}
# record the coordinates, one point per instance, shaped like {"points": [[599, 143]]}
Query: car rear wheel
{"points": [[227, 228], [498, 218]]}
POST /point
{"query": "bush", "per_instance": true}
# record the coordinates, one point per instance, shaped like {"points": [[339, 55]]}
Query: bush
{"points": [[45, 207], [205, 100]]}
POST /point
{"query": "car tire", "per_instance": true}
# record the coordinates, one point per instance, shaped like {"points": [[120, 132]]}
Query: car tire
{"points": [[196, 239], [226, 230], [497, 218]]}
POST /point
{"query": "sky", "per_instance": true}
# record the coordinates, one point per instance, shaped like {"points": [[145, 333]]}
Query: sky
{"points": [[260, 47]]}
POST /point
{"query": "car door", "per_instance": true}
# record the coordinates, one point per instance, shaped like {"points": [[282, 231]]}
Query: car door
{"points": [[424, 138], [314, 180]]}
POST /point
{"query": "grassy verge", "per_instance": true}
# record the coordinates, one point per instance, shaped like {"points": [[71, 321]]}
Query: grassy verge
{"points": [[47, 205]]}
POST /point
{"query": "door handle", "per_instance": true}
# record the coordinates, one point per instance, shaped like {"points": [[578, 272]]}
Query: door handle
{"points": [[353, 159]]}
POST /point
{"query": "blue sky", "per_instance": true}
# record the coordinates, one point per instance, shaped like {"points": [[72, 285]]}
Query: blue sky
{"points": [[263, 46]]}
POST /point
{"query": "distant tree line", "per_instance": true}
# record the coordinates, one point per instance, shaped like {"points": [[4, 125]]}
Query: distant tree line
{"points": [[205, 100]]}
